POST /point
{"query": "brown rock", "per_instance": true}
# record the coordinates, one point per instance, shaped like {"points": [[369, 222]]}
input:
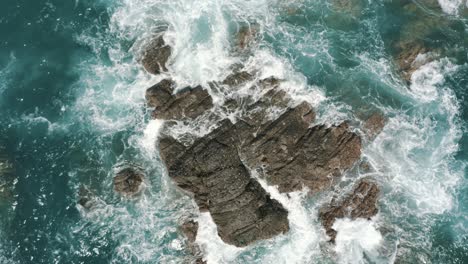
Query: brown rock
{"points": [[212, 171], [237, 78], [190, 230], [189, 103], [291, 154], [128, 182], [406, 59], [156, 55], [374, 125], [361, 203], [246, 36]]}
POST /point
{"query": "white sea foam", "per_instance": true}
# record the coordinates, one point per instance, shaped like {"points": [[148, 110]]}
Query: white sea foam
{"points": [[451, 7], [355, 238], [214, 249], [150, 135], [426, 81]]}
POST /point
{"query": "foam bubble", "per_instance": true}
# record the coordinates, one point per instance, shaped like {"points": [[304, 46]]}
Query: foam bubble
{"points": [[425, 81], [356, 238], [150, 135]]}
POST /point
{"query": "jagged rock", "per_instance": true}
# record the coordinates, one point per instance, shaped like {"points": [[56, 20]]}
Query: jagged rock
{"points": [[269, 137], [406, 58], [86, 198], [291, 154], [361, 203], [374, 125], [237, 78], [190, 230], [156, 55], [246, 36], [212, 171], [128, 182], [190, 102]]}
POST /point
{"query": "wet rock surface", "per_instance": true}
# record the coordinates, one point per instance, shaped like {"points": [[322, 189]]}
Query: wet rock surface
{"points": [[290, 154], [212, 171], [190, 229], [156, 55], [407, 59], [374, 125], [189, 103], [361, 203], [128, 182], [285, 149]]}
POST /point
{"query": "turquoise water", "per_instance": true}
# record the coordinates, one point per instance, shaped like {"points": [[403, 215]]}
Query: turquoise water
{"points": [[73, 113]]}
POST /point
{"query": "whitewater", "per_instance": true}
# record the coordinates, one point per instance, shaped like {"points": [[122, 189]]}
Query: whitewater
{"points": [[97, 123]]}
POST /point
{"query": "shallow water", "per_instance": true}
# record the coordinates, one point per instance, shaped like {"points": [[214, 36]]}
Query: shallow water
{"points": [[73, 113]]}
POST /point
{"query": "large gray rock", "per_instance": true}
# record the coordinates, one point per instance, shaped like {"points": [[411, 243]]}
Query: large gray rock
{"points": [[156, 55], [212, 171], [361, 203], [189, 103]]}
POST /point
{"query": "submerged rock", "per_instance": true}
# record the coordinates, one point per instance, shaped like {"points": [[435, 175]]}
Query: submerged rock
{"points": [[374, 125], [212, 171], [189, 103], [361, 203], [190, 229], [156, 55], [128, 182], [407, 59], [246, 36]]}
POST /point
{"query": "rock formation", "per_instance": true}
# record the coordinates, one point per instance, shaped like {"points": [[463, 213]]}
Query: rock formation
{"points": [[156, 55], [286, 150], [374, 125], [191, 102], [190, 229], [361, 203], [212, 171], [128, 182]]}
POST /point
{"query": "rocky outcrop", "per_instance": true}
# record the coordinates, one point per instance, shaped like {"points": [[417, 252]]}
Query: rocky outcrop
{"points": [[361, 203], [285, 149], [246, 36], [212, 171], [374, 125], [290, 154], [407, 59], [129, 182], [86, 198], [189, 103], [156, 55], [190, 229]]}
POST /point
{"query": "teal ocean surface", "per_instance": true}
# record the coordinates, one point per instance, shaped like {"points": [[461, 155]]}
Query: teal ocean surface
{"points": [[72, 113]]}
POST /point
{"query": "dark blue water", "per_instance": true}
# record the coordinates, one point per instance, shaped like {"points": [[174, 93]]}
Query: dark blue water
{"points": [[72, 113]]}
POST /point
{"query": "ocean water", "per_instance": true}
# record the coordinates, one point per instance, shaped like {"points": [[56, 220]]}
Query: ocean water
{"points": [[73, 112]]}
